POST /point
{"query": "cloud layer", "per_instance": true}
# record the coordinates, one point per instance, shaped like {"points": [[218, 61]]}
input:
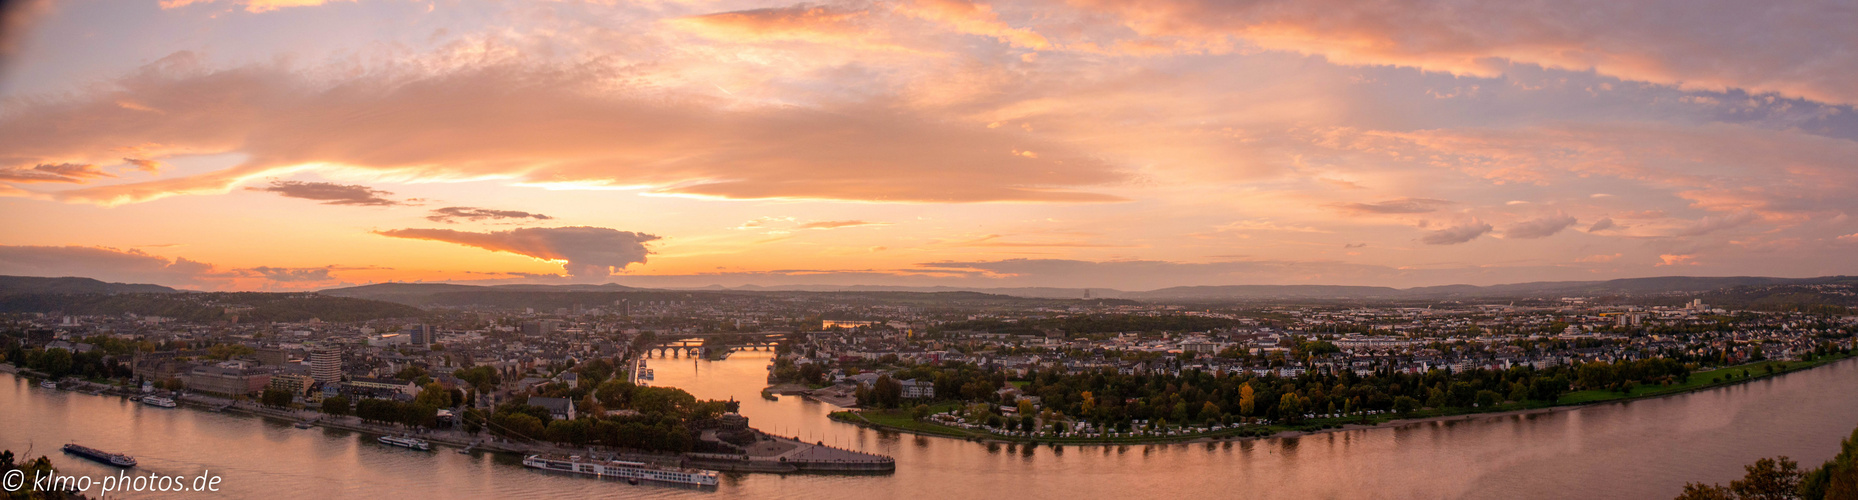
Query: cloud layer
{"points": [[474, 214], [107, 264], [590, 253], [1457, 234], [330, 193], [544, 125], [1277, 138], [1797, 48], [1539, 228]]}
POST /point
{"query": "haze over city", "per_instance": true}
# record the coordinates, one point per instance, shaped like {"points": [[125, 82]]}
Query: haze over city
{"points": [[303, 144]]}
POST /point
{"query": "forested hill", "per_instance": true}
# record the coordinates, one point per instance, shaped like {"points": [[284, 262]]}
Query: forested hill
{"points": [[549, 297], [33, 284], [1102, 323], [206, 307]]}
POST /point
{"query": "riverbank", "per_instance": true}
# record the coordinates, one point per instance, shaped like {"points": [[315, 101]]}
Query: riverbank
{"points": [[791, 455], [901, 421]]}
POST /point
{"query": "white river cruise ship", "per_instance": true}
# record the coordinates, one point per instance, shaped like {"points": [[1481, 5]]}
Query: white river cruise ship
{"points": [[618, 469]]}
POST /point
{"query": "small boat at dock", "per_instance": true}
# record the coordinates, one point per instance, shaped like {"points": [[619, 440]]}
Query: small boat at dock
{"points": [[158, 401]]}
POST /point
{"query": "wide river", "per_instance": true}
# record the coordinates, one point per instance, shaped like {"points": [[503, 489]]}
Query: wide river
{"points": [[1640, 449]]}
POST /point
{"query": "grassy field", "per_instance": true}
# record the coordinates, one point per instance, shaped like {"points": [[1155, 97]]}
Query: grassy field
{"points": [[900, 420], [1700, 380]]}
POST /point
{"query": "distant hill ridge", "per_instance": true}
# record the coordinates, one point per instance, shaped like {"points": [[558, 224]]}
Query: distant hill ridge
{"points": [[409, 292], [85, 296], [33, 284], [415, 293]]}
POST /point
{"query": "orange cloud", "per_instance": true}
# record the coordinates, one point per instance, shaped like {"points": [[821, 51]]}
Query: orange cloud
{"points": [[253, 6], [150, 166], [1797, 53], [47, 172], [540, 125], [586, 252], [975, 19], [836, 224], [1601, 258], [1399, 206], [1676, 260], [818, 24]]}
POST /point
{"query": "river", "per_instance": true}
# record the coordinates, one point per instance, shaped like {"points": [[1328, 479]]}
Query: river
{"points": [[1638, 449]]}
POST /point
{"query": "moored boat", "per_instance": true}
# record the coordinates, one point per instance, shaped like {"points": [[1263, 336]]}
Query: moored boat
{"points": [[406, 442], [116, 459], [48, 384], [159, 401], [632, 472]]}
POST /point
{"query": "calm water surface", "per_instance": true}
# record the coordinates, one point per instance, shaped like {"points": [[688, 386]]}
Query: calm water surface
{"points": [[1641, 449]]}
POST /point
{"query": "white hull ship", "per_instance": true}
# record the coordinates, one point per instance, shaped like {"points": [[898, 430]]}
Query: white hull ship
{"points": [[406, 442], [159, 401], [631, 471]]}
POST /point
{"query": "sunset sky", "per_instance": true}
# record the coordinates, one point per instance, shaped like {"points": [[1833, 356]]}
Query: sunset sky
{"points": [[307, 144]]}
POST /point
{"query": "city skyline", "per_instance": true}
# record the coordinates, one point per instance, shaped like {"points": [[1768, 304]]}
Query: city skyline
{"points": [[302, 144]]}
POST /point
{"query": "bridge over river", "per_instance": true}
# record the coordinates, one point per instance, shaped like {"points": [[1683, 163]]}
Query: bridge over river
{"points": [[708, 345]]}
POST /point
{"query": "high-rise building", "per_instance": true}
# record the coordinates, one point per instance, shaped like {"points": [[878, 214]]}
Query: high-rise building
{"points": [[541, 327], [326, 364], [422, 335]]}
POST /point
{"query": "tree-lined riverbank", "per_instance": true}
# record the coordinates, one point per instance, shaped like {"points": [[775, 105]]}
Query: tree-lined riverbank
{"points": [[911, 420]]}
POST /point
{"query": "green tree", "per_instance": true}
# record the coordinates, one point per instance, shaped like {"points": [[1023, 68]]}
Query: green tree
{"points": [[275, 397], [519, 425], [812, 374], [411, 372], [55, 362], [1696, 491], [1290, 407], [594, 372], [862, 394], [483, 378], [887, 392], [1209, 412], [663, 400], [1767, 479], [1487, 398], [30, 469], [1838, 478], [614, 393], [919, 412], [335, 405], [434, 395]]}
